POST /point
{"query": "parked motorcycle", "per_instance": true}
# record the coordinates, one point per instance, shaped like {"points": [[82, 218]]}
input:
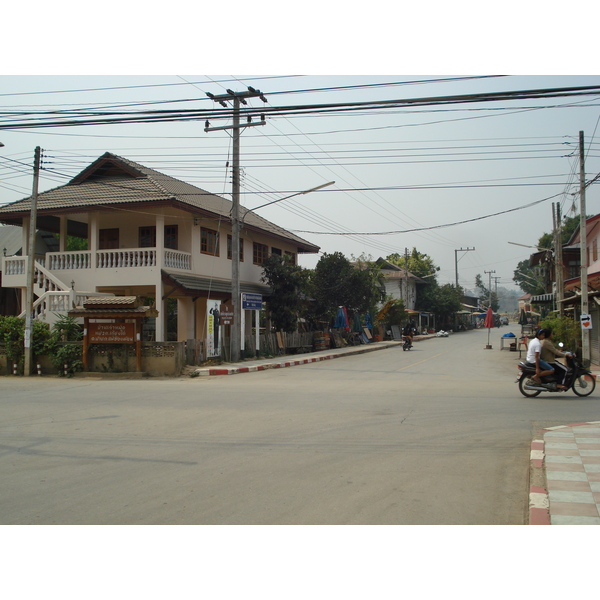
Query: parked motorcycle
{"points": [[578, 379]]}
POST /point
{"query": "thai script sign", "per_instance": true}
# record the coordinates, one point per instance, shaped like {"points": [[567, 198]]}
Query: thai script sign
{"points": [[111, 333]]}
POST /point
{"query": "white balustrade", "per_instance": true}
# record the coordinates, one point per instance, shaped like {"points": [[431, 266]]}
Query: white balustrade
{"points": [[178, 260], [119, 259], [62, 261]]}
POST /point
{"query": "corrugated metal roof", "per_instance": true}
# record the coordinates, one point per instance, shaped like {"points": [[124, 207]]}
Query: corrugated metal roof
{"points": [[113, 180], [201, 285]]}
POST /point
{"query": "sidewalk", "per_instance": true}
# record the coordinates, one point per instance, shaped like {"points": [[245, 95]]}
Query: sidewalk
{"points": [[570, 455], [249, 366]]}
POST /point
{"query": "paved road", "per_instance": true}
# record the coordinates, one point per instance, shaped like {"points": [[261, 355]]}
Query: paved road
{"points": [[437, 435]]}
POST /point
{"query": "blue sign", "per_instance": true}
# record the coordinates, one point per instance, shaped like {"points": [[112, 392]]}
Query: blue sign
{"points": [[252, 301]]}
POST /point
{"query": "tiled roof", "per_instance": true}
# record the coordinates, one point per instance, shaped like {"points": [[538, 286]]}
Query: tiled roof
{"points": [[112, 180]]}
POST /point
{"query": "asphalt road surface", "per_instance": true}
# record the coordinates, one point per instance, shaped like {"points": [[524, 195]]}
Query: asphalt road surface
{"points": [[436, 435]]}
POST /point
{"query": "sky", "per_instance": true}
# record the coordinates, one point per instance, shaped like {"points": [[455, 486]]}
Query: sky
{"points": [[394, 170], [412, 177]]}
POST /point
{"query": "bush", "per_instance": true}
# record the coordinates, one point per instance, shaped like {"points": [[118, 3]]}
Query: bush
{"points": [[564, 330]]}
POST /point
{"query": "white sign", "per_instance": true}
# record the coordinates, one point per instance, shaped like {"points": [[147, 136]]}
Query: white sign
{"points": [[586, 322]]}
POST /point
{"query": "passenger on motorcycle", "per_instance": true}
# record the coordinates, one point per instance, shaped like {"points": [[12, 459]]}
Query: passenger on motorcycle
{"points": [[534, 351], [549, 354], [409, 331]]}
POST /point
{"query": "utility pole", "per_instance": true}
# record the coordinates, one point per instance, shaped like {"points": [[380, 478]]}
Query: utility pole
{"points": [[490, 274], [456, 260], [31, 265], [558, 262], [585, 335], [236, 98]]}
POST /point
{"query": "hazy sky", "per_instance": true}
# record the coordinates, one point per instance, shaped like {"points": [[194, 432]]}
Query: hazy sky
{"points": [[408, 170]]}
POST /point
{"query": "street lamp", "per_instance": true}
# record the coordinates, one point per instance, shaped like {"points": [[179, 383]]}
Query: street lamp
{"points": [[235, 268]]}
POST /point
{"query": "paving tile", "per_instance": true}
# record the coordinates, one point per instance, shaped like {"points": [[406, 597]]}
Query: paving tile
{"points": [[570, 496], [590, 460], [557, 466], [570, 520], [586, 452], [571, 486], [572, 460], [593, 476], [561, 452], [592, 468], [566, 476], [595, 486], [574, 509], [560, 446]]}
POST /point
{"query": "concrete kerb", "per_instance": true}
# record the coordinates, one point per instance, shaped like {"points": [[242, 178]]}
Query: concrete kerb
{"points": [[289, 361]]}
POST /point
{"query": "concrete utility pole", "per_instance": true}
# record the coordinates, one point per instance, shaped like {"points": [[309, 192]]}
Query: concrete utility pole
{"points": [[558, 262], [31, 265], [236, 98], [585, 335], [490, 274], [456, 260]]}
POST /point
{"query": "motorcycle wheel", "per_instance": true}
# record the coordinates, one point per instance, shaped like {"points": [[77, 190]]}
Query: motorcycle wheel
{"points": [[404, 347], [584, 385], [527, 393]]}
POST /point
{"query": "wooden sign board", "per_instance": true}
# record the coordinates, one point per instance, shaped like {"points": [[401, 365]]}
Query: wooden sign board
{"points": [[226, 314], [111, 333]]}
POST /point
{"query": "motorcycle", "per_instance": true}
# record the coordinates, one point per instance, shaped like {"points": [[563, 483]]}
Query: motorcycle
{"points": [[578, 378], [406, 343]]}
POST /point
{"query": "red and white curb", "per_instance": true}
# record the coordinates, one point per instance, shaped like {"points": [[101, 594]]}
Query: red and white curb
{"points": [[539, 505], [275, 365]]}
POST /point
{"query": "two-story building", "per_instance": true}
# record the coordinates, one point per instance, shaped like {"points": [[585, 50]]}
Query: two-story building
{"points": [[148, 235]]}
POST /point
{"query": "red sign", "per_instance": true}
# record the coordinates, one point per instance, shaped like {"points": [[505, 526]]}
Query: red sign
{"points": [[111, 333], [226, 314]]}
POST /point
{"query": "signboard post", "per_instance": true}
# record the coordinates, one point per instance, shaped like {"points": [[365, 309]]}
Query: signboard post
{"points": [[254, 302]]}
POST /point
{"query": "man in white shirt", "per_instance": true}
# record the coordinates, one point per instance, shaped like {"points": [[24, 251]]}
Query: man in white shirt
{"points": [[534, 351]]}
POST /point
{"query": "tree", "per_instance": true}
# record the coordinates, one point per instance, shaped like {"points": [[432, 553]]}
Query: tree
{"points": [[528, 279], [444, 302], [419, 264], [289, 284], [491, 299], [337, 282]]}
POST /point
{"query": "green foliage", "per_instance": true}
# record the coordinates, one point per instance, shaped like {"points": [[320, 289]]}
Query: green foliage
{"points": [[528, 279], [392, 313], [289, 283], [60, 346], [443, 301], [12, 331], [337, 282], [419, 264], [565, 330]]}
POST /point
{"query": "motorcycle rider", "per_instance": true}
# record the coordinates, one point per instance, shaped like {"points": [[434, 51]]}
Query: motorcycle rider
{"points": [[409, 331], [534, 351], [550, 353]]}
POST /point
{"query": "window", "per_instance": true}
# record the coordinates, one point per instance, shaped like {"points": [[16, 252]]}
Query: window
{"points": [[229, 246], [276, 251], [171, 237], [209, 241], [108, 239], [291, 257], [260, 253], [147, 237]]}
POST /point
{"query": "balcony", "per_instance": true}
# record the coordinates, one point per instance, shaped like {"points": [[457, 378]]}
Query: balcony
{"points": [[65, 265]]}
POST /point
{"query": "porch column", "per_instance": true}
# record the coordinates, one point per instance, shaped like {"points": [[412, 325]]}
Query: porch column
{"points": [[63, 234], [161, 306], [93, 239], [160, 241]]}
